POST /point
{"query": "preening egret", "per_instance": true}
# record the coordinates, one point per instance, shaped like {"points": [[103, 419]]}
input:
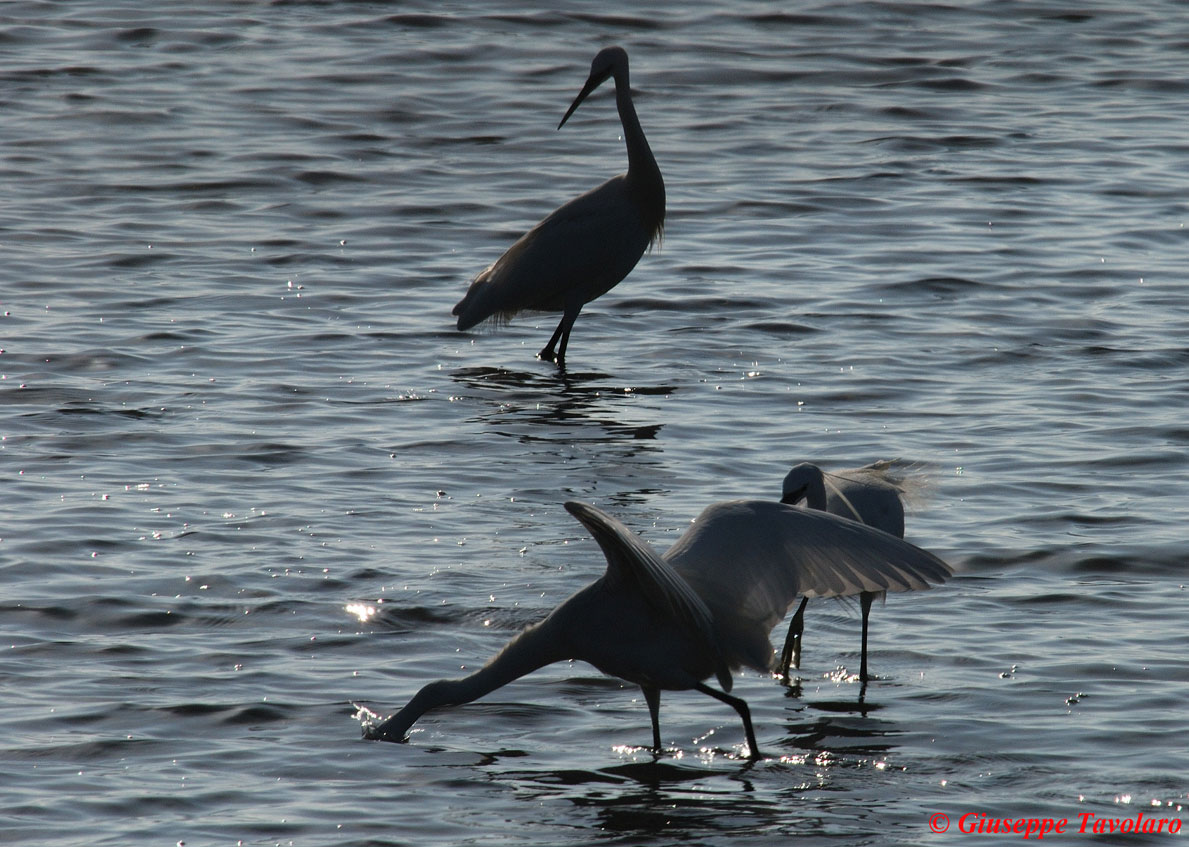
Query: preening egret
{"points": [[870, 495], [586, 247], [706, 607]]}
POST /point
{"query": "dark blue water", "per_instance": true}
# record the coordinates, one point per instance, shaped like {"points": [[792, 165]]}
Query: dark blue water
{"points": [[253, 477]]}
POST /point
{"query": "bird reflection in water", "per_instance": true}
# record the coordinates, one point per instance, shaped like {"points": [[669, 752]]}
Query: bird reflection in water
{"points": [[567, 407]]}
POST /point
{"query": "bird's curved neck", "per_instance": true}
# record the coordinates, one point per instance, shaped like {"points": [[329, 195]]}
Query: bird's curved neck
{"points": [[534, 648], [815, 496], [641, 163]]}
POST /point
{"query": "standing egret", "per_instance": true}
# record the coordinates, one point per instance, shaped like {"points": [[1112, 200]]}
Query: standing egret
{"points": [[586, 247], [870, 495], [706, 607]]}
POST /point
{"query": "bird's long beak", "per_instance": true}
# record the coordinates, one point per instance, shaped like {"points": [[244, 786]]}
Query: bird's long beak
{"points": [[592, 83]]}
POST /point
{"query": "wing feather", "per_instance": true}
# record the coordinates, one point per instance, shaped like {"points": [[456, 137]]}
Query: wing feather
{"points": [[751, 559], [631, 561], [577, 253]]}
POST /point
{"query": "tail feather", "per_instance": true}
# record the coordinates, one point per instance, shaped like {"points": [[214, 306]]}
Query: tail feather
{"points": [[486, 299], [473, 309]]}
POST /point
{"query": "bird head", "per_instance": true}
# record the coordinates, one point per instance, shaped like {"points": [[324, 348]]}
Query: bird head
{"points": [[607, 62], [798, 481]]}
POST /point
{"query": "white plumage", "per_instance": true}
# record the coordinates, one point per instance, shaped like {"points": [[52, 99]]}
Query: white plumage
{"points": [[704, 608]]}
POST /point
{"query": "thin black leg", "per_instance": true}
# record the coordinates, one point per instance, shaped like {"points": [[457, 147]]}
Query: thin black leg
{"points": [[791, 654], [562, 334], [652, 696], [740, 706], [565, 341], [865, 603], [547, 354]]}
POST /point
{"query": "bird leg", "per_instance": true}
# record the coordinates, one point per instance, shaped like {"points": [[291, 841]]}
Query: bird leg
{"points": [[740, 706], [562, 334], [652, 696], [547, 354], [792, 642], [865, 603]]}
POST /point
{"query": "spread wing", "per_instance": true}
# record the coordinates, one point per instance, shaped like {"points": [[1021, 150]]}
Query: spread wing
{"points": [[750, 559], [632, 562]]}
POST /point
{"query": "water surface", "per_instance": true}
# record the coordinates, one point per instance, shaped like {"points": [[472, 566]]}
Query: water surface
{"points": [[254, 479]]}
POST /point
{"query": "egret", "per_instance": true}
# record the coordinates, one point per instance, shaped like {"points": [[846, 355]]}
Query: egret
{"points": [[870, 495], [586, 247], [704, 608]]}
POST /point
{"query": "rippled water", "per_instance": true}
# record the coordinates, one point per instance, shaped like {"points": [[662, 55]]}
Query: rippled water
{"points": [[253, 477]]}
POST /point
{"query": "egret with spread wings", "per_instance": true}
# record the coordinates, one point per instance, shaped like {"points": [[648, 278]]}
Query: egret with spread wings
{"points": [[703, 609]]}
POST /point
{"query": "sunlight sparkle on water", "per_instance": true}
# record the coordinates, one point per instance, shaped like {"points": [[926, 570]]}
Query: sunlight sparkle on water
{"points": [[362, 611]]}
